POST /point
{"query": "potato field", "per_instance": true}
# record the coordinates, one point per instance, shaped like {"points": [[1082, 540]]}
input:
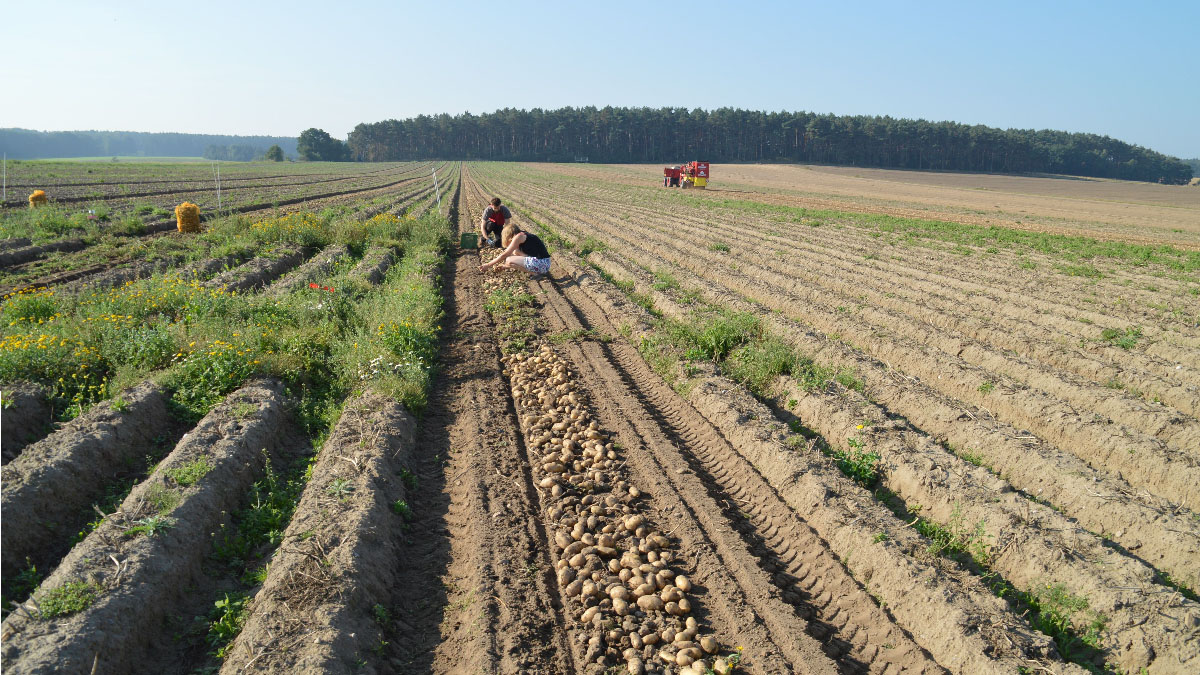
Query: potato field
{"points": [[808, 420]]}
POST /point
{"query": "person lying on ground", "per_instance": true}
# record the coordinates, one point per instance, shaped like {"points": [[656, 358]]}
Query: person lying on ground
{"points": [[492, 223], [521, 249]]}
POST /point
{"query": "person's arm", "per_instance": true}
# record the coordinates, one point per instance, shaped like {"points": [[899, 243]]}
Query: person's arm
{"points": [[483, 223], [512, 247]]}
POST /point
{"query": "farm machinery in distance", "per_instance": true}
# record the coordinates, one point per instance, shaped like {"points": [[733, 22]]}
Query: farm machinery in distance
{"points": [[690, 175]]}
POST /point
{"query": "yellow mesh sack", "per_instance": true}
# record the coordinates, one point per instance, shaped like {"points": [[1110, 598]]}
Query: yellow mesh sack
{"points": [[187, 217], [38, 198]]}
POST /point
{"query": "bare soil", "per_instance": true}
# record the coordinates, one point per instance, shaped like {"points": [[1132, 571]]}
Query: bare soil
{"points": [[141, 577], [1108, 209], [25, 416], [49, 488]]}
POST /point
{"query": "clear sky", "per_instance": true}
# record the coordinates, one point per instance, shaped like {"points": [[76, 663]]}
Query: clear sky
{"points": [[1127, 69]]}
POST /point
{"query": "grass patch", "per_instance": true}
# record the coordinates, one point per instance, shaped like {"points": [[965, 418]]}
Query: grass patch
{"points": [[191, 472], [591, 244], [665, 281], [1125, 339], [150, 526], [258, 528], [1050, 608], [757, 364], [67, 599], [161, 498]]}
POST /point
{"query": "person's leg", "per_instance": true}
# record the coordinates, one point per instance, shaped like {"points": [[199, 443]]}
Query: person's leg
{"points": [[515, 262], [537, 266]]}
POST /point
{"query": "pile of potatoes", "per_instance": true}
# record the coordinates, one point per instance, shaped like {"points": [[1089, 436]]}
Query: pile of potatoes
{"points": [[614, 566]]}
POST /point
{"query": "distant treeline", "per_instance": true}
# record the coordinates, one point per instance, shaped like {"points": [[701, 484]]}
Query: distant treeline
{"points": [[238, 153], [29, 144], [733, 135]]}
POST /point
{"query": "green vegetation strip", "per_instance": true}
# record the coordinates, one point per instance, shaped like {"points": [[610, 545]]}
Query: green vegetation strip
{"points": [[205, 342]]}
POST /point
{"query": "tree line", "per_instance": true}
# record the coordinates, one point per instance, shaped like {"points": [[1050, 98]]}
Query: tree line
{"points": [[620, 135], [240, 152], [30, 144]]}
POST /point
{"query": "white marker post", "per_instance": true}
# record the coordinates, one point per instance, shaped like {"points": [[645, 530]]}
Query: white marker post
{"points": [[436, 191], [5, 198]]}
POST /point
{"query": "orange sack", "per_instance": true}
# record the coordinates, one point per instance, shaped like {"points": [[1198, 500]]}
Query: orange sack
{"points": [[187, 217]]}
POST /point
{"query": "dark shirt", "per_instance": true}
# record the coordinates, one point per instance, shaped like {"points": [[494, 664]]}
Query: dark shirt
{"points": [[533, 247]]}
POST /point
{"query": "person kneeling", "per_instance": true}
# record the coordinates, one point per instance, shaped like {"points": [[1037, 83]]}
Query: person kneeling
{"points": [[521, 249]]}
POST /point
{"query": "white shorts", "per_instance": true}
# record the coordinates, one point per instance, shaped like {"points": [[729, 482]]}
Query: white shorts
{"points": [[538, 265]]}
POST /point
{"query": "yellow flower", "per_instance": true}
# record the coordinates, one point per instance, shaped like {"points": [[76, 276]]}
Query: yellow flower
{"points": [[859, 426]]}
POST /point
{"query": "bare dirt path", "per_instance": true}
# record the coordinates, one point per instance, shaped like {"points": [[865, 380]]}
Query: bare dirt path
{"points": [[476, 593]]}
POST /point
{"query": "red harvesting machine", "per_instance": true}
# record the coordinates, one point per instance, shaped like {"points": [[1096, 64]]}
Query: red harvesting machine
{"points": [[690, 175]]}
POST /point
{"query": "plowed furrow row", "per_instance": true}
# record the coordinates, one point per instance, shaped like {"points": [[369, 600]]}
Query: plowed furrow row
{"points": [[334, 566], [25, 417], [839, 614], [857, 281], [1141, 460], [731, 577], [843, 289], [49, 488], [146, 559], [1120, 293], [260, 271], [138, 178], [850, 283], [319, 266], [908, 601], [852, 628], [1158, 536], [845, 251]]}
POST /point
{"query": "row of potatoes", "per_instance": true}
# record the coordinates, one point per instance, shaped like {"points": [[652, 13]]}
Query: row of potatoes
{"points": [[614, 565]]}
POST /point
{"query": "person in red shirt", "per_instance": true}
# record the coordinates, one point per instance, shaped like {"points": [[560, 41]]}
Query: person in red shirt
{"points": [[492, 223]]}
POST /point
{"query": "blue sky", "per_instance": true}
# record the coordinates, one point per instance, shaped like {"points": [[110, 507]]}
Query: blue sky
{"points": [[1129, 70]]}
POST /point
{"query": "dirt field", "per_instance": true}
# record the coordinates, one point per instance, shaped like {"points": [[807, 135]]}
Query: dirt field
{"points": [[1119, 210], [804, 422]]}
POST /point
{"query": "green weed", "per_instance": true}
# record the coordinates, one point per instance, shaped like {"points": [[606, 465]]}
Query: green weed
{"points": [[69, 598], [191, 472], [860, 464], [227, 618], [1126, 339], [150, 526], [340, 488]]}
